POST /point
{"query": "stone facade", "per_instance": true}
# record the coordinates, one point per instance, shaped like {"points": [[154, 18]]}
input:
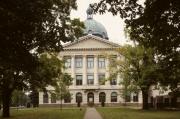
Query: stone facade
{"points": [[91, 64]]}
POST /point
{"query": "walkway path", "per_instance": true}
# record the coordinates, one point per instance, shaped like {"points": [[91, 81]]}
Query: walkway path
{"points": [[91, 113]]}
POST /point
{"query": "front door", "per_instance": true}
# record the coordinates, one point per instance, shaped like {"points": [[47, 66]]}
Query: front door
{"points": [[90, 98]]}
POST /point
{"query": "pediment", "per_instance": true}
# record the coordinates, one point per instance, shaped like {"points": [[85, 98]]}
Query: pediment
{"points": [[90, 42]]}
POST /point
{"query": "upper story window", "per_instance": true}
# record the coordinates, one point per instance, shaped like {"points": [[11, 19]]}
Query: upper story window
{"points": [[101, 62], [113, 81], [113, 61], [90, 62], [67, 62], [101, 78], [78, 62], [90, 79], [113, 58], [78, 79]]}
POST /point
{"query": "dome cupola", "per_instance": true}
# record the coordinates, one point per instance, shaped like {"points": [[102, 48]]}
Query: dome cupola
{"points": [[93, 27]]}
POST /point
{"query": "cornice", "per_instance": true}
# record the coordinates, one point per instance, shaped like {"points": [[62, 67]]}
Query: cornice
{"points": [[88, 49], [91, 37]]}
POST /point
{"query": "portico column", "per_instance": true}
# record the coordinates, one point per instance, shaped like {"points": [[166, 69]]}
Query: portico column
{"points": [[118, 76], [96, 82], [73, 69], [84, 70], [107, 72]]}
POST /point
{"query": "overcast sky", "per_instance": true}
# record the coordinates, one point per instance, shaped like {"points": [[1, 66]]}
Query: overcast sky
{"points": [[113, 24]]}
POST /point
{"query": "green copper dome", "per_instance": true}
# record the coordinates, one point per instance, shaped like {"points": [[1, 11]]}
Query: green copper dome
{"points": [[93, 27]]}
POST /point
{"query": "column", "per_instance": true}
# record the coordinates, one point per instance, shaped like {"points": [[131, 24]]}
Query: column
{"points": [[84, 96], [118, 76], [73, 69], [131, 97], [40, 97], [140, 98], [96, 82], [49, 98], [107, 71], [84, 70], [96, 97]]}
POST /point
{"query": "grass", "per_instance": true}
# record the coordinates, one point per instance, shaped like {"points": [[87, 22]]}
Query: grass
{"points": [[125, 113], [47, 113]]}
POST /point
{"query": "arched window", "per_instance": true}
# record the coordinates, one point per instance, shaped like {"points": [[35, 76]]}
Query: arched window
{"points": [[45, 97], [67, 98], [128, 97], [135, 97], [102, 97], [78, 97], [53, 98], [113, 97]]}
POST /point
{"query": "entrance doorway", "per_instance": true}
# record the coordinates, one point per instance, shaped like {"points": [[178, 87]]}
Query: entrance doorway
{"points": [[90, 98]]}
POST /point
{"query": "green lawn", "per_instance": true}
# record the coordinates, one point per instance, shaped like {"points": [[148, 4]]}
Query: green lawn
{"points": [[124, 113], [47, 113]]}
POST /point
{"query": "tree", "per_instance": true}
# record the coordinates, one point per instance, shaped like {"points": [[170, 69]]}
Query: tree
{"points": [[28, 28], [50, 73], [170, 68], [33, 98], [138, 70], [19, 98], [62, 87]]}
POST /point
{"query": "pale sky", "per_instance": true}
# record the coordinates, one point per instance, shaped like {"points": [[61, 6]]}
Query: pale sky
{"points": [[113, 24]]}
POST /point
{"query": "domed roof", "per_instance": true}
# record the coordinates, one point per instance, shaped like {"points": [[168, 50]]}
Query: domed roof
{"points": [[93, 27]]}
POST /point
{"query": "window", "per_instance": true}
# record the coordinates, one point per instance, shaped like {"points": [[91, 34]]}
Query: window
{"points": [[53, 98], [113, 97], [45, 97], [101, 62], [79, 97], [90, 62], [78, 80], [113, 82], [113, 60], [90, 97], [104, 35], [67, 62], [67, 98], [90, 32], [135, 97], [90, 79], [102, 97], [128, 97], [78, 62], [101, 78]]}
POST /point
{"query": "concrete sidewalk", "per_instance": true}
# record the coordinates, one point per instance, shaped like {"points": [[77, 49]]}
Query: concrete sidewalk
{"points": [[91, 113]]}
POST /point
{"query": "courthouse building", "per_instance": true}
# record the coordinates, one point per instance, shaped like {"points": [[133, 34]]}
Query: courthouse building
{"points": [[88, 67]]}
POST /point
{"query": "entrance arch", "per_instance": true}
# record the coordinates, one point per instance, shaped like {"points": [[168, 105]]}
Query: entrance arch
{"points": [[90, 97], [102, 97]]}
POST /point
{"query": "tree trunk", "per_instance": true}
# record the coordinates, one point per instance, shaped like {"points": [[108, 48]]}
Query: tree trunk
{"points": [[6, 99], [145, 100]]}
